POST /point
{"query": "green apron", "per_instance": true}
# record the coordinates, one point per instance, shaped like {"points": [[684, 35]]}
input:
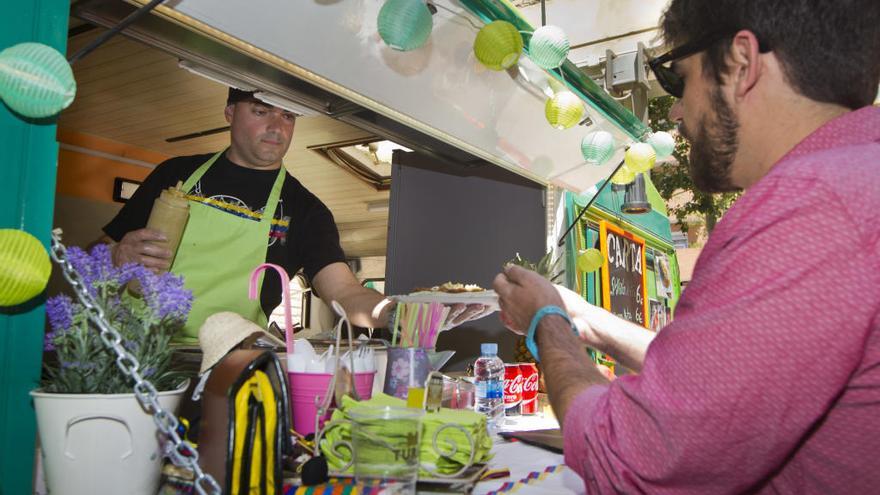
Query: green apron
{"points": [[217, 254]]}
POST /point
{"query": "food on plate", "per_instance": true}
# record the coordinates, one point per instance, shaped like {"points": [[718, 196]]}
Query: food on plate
{"points": [[451, 288]]}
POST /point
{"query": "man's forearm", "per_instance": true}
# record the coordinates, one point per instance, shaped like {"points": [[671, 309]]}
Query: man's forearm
{"points": [[567, 368], [627, 343], [366, 307], [623, 340]]}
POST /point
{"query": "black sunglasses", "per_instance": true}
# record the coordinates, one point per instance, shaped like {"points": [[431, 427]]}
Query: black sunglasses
{"points": [[661, 66]]}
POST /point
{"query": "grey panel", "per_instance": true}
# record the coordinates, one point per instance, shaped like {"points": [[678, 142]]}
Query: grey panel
{"points": [[450, 222]]}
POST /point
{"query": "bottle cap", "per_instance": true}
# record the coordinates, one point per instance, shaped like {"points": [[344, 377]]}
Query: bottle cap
{"points": [[489, 348]]}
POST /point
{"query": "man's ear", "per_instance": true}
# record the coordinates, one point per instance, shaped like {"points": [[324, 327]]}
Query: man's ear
{"points": [[744, 63], [229, 112]]}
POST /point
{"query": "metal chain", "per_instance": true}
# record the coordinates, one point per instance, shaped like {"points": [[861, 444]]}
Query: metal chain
{"points": [[181, 452]]}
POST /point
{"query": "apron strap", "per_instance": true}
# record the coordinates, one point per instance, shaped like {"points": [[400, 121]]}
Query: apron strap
{"points": [[191, 181]]}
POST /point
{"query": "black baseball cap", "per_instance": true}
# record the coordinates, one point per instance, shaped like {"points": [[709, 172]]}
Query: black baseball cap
{"points": [[236, 95]]}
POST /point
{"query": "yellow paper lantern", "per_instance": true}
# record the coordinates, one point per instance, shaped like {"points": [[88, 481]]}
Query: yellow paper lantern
{"points": [[24, 267], [590, 260], [564, 110], [498, 45], [640, 157], [623, 176]]}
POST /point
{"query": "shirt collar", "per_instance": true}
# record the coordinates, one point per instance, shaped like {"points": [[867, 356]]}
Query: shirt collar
{"points": [[852, 128]]}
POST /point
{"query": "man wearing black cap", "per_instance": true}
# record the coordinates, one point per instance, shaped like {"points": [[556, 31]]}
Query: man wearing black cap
{"points": [[244, 210]]}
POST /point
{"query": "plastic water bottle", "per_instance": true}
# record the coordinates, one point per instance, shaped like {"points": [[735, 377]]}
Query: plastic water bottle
{"points": [[489, 380]]}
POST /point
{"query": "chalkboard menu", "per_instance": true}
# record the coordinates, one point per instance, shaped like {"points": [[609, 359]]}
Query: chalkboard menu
{"points": [[623, 274]]}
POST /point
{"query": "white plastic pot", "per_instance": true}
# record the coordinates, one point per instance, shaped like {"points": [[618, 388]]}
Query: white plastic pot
{"points": [[94, 444]]}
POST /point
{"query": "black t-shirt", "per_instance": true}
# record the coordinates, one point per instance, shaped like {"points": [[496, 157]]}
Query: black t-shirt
{"points": [[309, 241]]}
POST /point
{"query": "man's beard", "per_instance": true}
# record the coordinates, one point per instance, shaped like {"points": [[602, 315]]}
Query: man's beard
{"points": [[713, 147]]}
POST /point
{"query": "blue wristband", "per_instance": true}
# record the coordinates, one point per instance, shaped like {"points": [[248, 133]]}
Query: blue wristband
{"points": [[533, 326]]}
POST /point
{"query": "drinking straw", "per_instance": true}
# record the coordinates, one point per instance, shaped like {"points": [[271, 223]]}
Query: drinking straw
{"points": [[411, 323], [285, 298]]}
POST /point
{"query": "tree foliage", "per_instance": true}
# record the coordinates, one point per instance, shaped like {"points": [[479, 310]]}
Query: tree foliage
{"points": [[673, 178]]}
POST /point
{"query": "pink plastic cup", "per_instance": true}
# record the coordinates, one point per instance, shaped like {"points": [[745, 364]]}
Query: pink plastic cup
{"points": [[308, 389]]}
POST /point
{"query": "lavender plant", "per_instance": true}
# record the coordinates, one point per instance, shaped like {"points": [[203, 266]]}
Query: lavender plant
{"points": [[146, 323]]}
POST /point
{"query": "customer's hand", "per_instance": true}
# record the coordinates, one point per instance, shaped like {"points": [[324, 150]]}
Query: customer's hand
{"points": [[584, 315], [139, 246], [521, 293]]}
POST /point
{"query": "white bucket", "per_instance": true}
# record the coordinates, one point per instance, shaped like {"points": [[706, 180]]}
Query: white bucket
{"points": [[93, 443]]}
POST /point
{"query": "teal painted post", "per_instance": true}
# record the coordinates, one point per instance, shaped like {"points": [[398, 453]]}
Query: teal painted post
{"points": [[28, 163]]}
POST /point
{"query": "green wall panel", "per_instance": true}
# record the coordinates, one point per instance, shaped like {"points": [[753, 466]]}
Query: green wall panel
{"points": [[28, 163]]}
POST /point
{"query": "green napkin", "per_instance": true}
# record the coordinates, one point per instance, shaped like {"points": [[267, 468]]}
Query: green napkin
{"points": [[474, 423]]}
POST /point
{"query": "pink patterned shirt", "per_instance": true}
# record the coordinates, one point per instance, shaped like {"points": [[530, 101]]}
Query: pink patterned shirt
{"points": [[768, 380]]}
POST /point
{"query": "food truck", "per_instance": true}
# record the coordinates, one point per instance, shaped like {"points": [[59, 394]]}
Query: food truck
{"points": [[478, 175]]}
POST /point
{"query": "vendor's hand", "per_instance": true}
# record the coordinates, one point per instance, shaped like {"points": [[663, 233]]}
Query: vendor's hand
{"points": [[139, 246], [463, 313], [521, 293]]}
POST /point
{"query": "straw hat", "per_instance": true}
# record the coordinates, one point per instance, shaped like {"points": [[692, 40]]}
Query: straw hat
{"points": [[223, 332]]}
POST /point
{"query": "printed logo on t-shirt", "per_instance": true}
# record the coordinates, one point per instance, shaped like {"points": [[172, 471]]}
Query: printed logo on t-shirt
{"points": [[236, 206]]}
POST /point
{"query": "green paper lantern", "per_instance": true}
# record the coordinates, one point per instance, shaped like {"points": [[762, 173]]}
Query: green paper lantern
{"points": [[35, 80], [640, 157], [548, 47], [405, 24], [623, 176], [564, 110], [597, 147], [24, 267], [663, 143], [498, 45], [590, 260]]}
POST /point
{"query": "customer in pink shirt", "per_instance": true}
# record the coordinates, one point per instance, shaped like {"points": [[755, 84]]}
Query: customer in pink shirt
{"points": [[768, 380]]}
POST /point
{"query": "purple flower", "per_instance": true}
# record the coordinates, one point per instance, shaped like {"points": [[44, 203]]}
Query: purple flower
{"points": [[165, 295], [59, 309], [49, 341]]}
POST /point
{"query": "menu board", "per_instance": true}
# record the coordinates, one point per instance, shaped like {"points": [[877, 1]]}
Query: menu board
{"points": [[623, 274]]}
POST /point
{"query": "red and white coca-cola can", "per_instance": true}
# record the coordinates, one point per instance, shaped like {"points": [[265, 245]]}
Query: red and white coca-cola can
{"points": [[513, 389], [529, 388]]}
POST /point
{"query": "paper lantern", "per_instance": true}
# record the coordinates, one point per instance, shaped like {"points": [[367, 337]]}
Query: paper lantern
{"points": [[498, 45], [640, 157], [590, 260], [597, 147], [564, 110], [24, 267], [405, 24], [548, 47], [663, 143], [623, 176], [35, 80]]}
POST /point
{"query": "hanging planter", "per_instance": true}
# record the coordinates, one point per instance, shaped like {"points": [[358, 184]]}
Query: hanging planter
{"points": [[35, 80], [590, 260], [548, 47], [498, 45], [24, 267], [640, 157], [564, 110], [663, 144], [597, 147], [98, 443], [405, 24]]}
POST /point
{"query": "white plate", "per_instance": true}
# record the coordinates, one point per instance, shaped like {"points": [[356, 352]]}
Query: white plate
{"points": [[487, 297]]}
